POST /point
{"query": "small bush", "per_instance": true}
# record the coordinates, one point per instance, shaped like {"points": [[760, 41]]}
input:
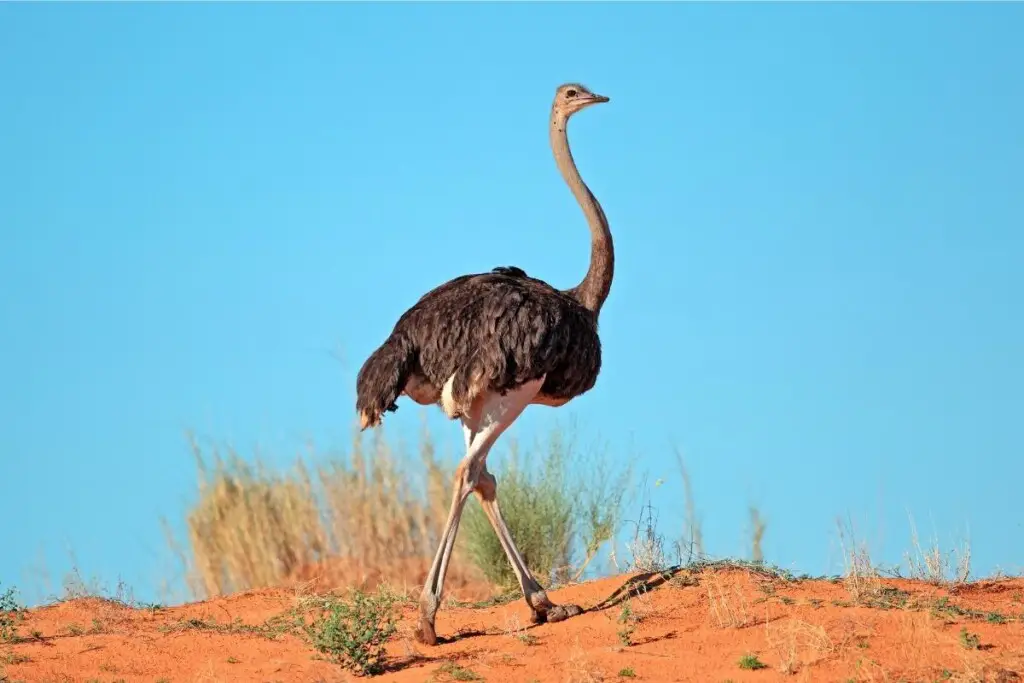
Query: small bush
{"points": [[10, 616], [556, 511], [628, 620], [353, 634], [968, 640], [751, 663]]}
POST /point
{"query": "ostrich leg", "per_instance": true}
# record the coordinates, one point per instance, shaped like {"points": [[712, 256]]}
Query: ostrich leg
{"points": [[541, 608], [490, 417]]}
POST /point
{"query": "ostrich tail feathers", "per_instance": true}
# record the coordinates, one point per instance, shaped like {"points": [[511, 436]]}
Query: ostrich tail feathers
{"points": [[381, 379]]}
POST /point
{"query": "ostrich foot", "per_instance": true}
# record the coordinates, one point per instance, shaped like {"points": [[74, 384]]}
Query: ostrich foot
{"points": [[563, 612], [542, 610], [425, 633]]}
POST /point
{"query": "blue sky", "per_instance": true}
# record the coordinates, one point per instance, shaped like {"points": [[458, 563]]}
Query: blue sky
{"points": [[211, 214]]}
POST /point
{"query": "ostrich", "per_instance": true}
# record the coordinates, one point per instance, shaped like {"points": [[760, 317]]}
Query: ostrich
{"points": [[484, 347]]}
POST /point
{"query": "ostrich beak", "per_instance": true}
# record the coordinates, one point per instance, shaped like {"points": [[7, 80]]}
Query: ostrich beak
{"points": [[597, 99]]}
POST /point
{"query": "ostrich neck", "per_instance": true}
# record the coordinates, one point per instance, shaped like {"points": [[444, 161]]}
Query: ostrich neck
{"points": [[594, 288]]}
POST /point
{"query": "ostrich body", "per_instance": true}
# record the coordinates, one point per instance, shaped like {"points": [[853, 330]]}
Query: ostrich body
{"points": [[485, 346]]}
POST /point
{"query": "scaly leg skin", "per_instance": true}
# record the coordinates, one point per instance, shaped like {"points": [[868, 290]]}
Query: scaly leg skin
{"points": [[489, 417], [541, 608], [431, 596]]}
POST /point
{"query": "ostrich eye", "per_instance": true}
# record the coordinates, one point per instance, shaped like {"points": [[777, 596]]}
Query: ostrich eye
{"points": [[570, 93]]}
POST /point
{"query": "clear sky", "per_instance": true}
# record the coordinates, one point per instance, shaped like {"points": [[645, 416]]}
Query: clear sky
{"points": [[212, 213]]}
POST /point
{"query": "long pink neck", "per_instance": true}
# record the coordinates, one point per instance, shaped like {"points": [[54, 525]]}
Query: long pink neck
{"points": [[597, 283]]}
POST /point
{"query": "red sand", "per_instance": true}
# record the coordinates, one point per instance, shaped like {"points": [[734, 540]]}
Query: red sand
{"points": [[692, 627]]}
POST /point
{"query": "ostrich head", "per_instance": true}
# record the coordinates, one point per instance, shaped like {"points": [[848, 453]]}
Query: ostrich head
{"points": [[572, 97]]}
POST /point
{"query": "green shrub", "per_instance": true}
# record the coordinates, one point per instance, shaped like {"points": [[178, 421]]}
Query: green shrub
{"points": [[555, 510], [10, 616], [751, 663], [353, 634]]}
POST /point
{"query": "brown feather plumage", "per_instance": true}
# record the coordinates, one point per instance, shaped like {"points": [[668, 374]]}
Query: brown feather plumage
{"points": [[491, 331]]}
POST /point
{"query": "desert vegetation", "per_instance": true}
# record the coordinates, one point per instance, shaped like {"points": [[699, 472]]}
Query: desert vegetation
{"points": [[319, 565], [372, 516]]}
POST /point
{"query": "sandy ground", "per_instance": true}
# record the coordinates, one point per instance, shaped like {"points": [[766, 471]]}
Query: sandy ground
{"points": [[681, 626]]}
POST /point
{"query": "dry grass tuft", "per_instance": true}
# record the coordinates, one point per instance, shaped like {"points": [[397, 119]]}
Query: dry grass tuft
{"points": [[861, 578], [358, 520], [728, 607], [931, 564], [647, 547], [798, 644]]}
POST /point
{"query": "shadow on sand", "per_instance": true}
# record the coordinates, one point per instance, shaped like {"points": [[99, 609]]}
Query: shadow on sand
{"points": [[639, 585]]}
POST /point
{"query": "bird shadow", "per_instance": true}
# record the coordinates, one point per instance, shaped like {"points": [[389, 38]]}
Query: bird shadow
{"points": [[460, 635], [654, 639], [396, 665], [637, 586]]}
